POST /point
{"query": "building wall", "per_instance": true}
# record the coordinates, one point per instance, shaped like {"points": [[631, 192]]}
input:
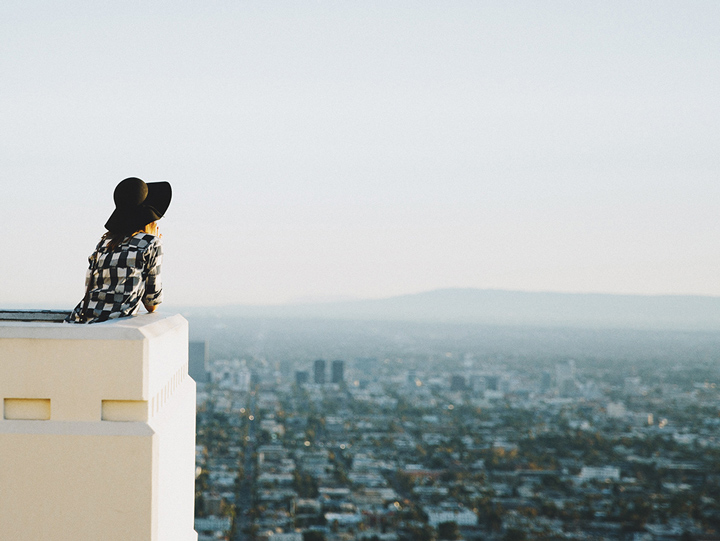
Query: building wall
{"points": [[198, 361], [319, 371], [97, 432], [338, 371]]}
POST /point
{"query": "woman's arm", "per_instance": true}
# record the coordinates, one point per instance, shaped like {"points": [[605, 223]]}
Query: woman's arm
{"points": [[153, 284]]}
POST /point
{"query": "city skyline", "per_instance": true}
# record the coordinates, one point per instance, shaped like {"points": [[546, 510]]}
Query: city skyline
{"points": [[535, 435], [329, 150]]}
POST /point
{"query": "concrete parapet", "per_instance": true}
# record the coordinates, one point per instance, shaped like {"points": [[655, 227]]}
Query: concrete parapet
{"points": [[97, 434]]}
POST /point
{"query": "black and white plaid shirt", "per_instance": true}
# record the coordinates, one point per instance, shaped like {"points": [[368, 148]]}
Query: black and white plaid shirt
{"points": [[122, 279]]}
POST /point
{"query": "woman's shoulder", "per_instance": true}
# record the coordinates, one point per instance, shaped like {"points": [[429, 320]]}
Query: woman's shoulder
{"points": [[144, 240]]}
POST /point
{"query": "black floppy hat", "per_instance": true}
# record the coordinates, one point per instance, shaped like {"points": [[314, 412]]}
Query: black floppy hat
{"points": [[137, 204]]}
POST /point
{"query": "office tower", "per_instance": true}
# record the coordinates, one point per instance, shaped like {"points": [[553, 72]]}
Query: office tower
{"points": [[368, 367], [564, 371], [338, 371], [320, 372], [565, 378], [243, 377], [284, 371], [198, 361], [302, 377]]}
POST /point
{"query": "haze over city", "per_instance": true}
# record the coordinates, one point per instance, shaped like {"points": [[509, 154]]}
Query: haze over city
{"points": [[324, 150]]}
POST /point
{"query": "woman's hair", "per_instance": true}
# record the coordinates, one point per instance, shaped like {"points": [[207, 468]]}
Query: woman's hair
{"points": [[116, 239]]}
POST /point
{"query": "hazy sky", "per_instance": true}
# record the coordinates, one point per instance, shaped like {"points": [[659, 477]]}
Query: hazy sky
{"points": [[366, 149]]}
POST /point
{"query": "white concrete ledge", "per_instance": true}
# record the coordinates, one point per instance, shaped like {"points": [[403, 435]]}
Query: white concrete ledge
{"points": [[97, 432], [77, 367]]}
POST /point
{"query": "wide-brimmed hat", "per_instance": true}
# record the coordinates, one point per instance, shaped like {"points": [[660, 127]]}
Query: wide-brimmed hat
{"points": [[137, 204]]}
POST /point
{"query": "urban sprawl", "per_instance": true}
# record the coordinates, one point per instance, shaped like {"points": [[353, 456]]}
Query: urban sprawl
{"points": [[459, 448]]}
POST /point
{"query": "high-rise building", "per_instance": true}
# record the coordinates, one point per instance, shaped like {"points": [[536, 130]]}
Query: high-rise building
{"points": [[243, 377], [565, 378], [198, 361], [319, 372], [564, 371], [338, 371], [367, 368], [302, 377], [284, 371], [97, 435]]}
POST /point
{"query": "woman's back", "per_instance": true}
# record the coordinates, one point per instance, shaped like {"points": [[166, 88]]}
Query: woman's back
{"points": [[122, 276]]}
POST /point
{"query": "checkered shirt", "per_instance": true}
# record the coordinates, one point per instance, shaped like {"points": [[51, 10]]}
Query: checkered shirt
{"points": [[122, 279]]}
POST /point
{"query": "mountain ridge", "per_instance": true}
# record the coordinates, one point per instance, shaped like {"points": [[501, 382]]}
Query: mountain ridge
{"points": [[502, 307]]}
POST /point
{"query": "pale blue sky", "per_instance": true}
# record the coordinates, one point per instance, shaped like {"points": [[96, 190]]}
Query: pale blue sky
{"points": [[366, 149]]}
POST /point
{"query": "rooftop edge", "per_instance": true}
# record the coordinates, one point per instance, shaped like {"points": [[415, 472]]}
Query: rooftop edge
{"points": [[126, 328]]}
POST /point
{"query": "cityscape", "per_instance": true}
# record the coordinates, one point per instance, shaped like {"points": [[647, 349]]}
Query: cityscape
{"points": [[431, 271], [454, 432]]}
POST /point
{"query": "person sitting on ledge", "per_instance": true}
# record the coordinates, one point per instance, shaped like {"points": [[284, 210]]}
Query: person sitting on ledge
{"points": [[124, 270]]}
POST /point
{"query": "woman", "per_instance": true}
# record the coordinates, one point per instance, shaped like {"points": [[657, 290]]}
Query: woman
{"points": [[125, 267]]}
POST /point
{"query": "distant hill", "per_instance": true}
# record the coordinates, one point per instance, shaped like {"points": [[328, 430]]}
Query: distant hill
{"points": [[497, 307]]}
